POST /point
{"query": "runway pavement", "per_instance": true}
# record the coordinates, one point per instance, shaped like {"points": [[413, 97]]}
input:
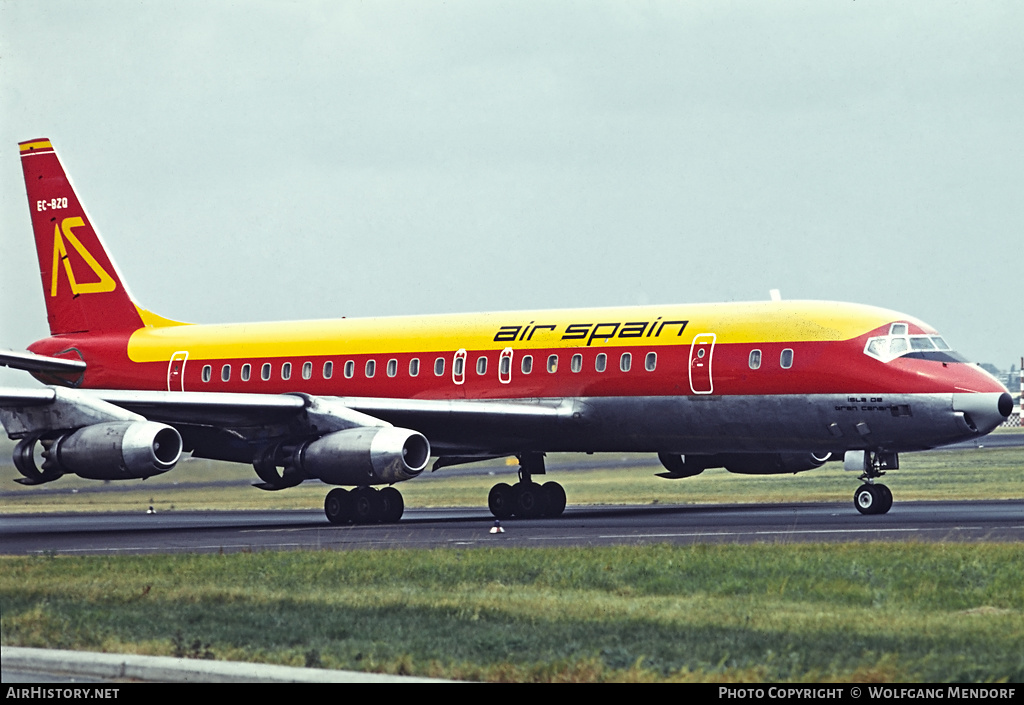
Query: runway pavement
{"points": [[210, 532]]}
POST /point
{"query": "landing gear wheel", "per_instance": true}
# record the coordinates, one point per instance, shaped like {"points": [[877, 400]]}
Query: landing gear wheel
{"points": [[872, 499], [886, 496], [555, 495], [529, 500], [338, 507], [865, 499], [394, 505], [500, 501], [367, 505]]}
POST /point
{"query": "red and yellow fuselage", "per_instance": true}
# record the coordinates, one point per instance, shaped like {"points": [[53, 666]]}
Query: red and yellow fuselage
{"points": [[700, 378]]}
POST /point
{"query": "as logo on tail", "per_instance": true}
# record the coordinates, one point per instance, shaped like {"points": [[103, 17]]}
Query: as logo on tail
{"points": [[69, 246], [60, 254]]}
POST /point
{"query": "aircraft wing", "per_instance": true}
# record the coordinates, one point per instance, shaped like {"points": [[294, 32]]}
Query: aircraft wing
{"points": [[453, 426], [233, 426]]}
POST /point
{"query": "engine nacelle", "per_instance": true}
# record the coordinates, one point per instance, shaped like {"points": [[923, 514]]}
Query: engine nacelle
{"points": [[369, 455], [773, 463], [118, 450]]}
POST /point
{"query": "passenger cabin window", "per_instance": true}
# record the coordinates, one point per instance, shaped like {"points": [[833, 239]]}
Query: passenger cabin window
{"points": [[527, 366], [439, 366], [576, 364], [328, 369], [552, 363], [625, 362], [286, 370], [651, 361], [207, 373], [371, 368], [392, 367], [246, 371], [601, 363], [754, 361], [414, 367], [307, 370], [786, 359], [350, 369], [481, 365], [265, 372], [225, 373]]}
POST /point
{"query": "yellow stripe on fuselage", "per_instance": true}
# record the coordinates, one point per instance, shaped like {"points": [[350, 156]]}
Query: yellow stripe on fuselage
{"points": [[766, 322]]}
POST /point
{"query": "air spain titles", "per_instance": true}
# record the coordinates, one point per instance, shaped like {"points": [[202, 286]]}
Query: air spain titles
{"points": [[592, 331]]}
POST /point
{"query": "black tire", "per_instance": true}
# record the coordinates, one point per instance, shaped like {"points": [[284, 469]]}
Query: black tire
{"points": [[394, 505], [367, 505], [529, 500], [867, 499], [885, 497], [555, 498], [500, 501], [338, 507]]}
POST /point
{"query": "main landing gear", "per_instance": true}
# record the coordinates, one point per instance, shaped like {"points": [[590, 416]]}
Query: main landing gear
{"points": [[874, 497], [364, 505], [526, 499]]}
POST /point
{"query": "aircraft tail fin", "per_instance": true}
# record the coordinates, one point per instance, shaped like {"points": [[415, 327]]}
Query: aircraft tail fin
{"points": [[81, 285]]}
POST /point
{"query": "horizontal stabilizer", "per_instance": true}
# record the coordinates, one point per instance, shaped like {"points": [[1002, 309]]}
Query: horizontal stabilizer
{"points": [[30, 362]]}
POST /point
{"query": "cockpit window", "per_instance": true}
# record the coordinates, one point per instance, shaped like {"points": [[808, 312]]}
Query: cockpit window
{"points": [[899, 343]]}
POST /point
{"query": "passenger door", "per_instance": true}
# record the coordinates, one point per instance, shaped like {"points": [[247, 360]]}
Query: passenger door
{"points": [[176, 372], [701, 350]]}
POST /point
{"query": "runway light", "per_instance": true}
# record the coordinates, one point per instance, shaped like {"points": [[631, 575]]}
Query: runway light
{"points": [[496, 529], [151, 510]]}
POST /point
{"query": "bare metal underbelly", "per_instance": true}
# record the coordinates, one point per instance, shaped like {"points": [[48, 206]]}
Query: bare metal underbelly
{"points": [[720, 424]]}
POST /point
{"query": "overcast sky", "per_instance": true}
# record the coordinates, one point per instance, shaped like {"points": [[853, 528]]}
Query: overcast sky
{"points": [[278, 160]]}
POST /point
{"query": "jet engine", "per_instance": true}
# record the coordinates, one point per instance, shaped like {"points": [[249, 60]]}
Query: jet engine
{"points": [[117, 450], [368, 455], [772, 463]]}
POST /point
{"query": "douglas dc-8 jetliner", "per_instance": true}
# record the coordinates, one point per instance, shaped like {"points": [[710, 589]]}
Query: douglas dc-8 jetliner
{"points": [[765, 387]]}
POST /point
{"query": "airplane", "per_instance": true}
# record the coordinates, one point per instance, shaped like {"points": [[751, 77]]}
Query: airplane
{"points": [[764, 387]]}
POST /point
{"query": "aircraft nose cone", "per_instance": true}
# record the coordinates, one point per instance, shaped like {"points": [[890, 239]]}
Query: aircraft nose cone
{"points": [[1005, 404], [983, 411]]}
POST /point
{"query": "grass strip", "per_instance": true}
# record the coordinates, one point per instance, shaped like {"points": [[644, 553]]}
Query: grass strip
{"points": [[808, 612]]}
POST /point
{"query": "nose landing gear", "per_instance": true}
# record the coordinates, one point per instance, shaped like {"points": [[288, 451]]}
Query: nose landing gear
{"points": [[872, 497]]}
